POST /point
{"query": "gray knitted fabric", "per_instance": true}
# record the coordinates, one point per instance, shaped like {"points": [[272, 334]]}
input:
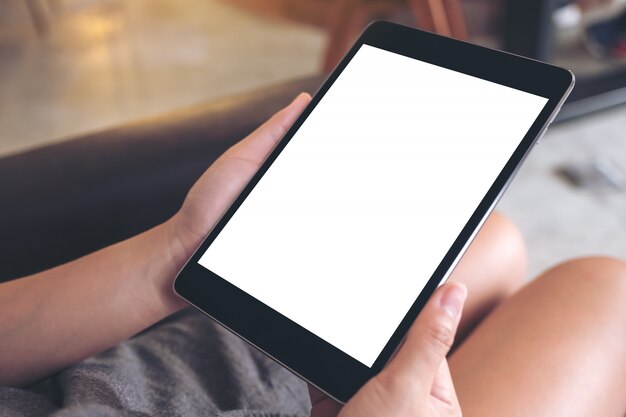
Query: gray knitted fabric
{"points": [[184, 366]]}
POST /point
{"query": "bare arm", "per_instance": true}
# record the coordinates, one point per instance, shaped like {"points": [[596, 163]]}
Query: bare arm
{"points": [[61, 316], [58, 317]]}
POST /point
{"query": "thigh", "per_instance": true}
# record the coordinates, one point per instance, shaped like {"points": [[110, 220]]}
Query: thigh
{"points": [[556, 347]]}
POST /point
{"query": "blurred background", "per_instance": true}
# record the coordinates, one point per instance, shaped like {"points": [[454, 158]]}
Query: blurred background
{"points": [[72, 67]]}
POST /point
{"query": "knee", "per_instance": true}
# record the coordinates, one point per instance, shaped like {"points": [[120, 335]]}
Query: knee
{"points": [[606, 273], [598, 282], [508, 250], [495, 262], [510, 241]]}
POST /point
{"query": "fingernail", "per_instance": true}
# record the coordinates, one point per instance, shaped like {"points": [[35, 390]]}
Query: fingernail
{"points": [[453, 298], [297, 97]]}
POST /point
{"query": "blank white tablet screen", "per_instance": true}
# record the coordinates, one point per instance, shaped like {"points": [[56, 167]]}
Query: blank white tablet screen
{"points": [[348, 224]]}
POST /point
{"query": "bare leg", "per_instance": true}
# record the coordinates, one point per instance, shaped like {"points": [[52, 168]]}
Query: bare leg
{"points": [[555, 348], [493, 267]]}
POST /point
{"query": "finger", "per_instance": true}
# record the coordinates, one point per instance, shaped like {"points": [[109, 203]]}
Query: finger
{"points": [[443, 388], [430, 338], [259, 143], [316, 395], [322, 405]]}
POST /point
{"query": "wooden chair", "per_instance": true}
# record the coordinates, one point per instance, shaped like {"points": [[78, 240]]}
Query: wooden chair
{"points": [[39, 12], [348, 18]]}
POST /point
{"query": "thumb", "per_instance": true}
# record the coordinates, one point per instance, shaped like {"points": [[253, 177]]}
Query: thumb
{"points": [[430, 338], [259, 143]]}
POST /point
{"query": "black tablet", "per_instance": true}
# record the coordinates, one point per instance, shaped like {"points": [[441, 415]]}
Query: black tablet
{"points": [[368, 202]]}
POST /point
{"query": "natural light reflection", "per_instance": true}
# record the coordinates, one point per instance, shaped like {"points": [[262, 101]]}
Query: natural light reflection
{"points": [[96, 26]]}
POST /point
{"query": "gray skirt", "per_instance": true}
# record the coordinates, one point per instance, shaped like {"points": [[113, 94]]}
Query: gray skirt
{"points": [[185, 365]]}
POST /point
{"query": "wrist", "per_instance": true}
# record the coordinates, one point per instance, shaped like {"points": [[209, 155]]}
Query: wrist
{"points": [[167, 256]]}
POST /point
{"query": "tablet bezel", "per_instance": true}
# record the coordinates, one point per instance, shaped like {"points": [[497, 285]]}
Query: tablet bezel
{"points": [[307, 355]]}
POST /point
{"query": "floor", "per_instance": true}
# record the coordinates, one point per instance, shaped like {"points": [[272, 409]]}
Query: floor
{"points": [[105, 62], [560, 221]]}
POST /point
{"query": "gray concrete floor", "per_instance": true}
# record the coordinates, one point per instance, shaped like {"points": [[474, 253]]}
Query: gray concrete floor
{"points": [[558, 220], [106, 62]]}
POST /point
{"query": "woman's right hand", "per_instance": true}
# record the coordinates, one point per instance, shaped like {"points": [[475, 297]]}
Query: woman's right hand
{"points": [[417, 381]]}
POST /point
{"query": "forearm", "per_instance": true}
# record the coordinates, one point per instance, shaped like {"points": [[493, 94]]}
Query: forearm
{"points": [[63, 315]]}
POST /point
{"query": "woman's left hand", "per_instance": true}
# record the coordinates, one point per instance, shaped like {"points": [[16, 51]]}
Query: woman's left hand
{"points": [[213, 193]]}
